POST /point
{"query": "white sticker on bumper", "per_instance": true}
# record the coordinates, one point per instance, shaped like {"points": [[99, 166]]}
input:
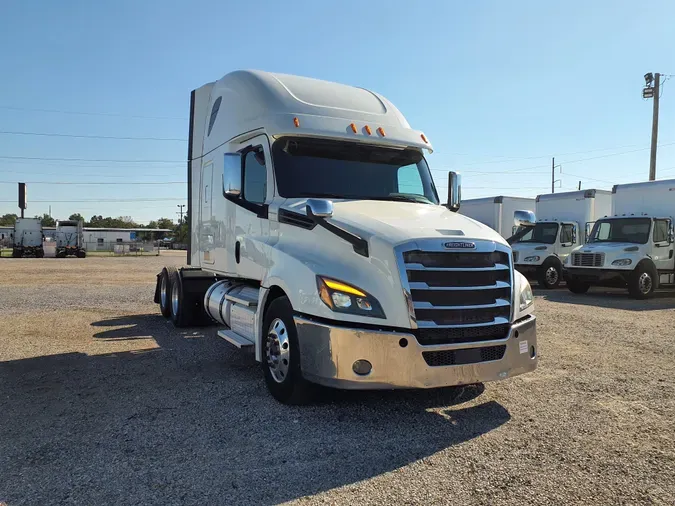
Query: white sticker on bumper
{"points": [[523, 347]]}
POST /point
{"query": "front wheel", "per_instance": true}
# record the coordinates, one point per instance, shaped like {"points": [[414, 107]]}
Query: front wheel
{"points": [[549, 274], [578, 287], [281, 356], [641, 283]]}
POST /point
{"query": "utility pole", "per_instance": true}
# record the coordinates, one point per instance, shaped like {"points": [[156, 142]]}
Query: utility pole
{"points": [[652, 89], [180, 221], [553, 179]]}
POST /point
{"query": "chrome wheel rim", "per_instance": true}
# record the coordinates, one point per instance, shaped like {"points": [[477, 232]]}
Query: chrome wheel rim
{"points": [[278, 350], [174, 299], [551, 275], [163, 296], [645, 283]]}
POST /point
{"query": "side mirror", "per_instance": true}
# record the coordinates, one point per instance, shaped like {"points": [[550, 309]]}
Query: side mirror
{"points": [[232, 175], [524, 219], [454, 191], [320, 208]]}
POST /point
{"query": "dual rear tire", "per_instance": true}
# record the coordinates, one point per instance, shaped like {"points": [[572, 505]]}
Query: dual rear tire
{"points": [[172, 297]]}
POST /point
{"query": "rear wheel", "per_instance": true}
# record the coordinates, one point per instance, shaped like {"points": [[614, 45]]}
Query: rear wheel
{"points": [[39, 253], [281, 356], [81, 253], [642, 282], [165, 278], [549, 274], [179, 311]]}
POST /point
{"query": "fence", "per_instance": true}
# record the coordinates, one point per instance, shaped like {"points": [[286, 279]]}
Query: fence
{"points": [[121, 248]]}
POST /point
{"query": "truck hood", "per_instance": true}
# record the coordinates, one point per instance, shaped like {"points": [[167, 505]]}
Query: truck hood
{"points": [[398, 222], [606, 246]]}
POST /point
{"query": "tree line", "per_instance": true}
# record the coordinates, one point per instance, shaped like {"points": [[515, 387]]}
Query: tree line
{"points": [[178, 231]]}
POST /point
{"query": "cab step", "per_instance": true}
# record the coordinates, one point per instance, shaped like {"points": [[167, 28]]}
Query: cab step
{"points": [[233, 338]]}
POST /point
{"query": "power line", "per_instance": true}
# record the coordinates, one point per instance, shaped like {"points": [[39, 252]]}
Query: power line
{"points": [[102, 200], [53, 134], [89, 159], [96, 182], [13, 108]]}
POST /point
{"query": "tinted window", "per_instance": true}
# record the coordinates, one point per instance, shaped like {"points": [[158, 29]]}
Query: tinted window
{"points": [[214, 113], [660, 230], [542, 233], [338, 169], [567, 234], [255, 176]]}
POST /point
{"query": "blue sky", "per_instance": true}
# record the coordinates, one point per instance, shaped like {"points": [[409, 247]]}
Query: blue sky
{"points": [[499, 87]]}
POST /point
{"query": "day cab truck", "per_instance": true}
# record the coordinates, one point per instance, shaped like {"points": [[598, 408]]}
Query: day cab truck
{"points": [[564, 221], [317, 240], [28, 237], [497, 212], [69, 239], [633, 246]]}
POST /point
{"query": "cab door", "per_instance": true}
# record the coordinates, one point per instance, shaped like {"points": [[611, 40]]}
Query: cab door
{"points": [[663, 245], [207, 221], [252, 227]]}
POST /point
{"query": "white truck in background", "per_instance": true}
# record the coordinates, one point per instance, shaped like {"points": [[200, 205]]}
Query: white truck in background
{"points": [[69, 239], [28, 237], [497, 212], [317, 240], [633, 246], [564, 221]]}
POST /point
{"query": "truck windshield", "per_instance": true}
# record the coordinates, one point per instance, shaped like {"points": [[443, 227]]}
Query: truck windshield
{"points": [[541, 233], [308, 167], [634, 230]]}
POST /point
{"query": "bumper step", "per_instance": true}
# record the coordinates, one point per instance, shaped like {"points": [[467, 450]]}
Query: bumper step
{"points": [[233, 338]]}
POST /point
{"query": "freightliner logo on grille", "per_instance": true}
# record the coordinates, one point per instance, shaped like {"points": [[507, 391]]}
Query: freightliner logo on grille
{"points": [[460, 245]]}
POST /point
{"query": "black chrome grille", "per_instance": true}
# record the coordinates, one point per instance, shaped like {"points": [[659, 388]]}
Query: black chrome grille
{"points": [[459, 296], [455, 335], [588, 259], [464, 357]]}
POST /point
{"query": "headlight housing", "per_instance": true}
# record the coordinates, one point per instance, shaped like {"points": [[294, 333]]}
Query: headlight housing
{"points": [[343, 298], [622, 262], [532, 259], [526, 297]]}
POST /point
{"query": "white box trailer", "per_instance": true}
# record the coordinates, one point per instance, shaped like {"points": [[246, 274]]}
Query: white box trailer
{"points": [[564, 221], [633, 246], [28, 238], [69, 239], [317, 239], [497, 212]]}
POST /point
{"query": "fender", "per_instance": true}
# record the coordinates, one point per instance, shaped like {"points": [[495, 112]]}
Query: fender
{"points": [[648, 264]]}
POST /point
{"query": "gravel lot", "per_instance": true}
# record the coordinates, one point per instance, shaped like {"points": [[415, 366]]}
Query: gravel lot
{"points": [[103, 402]]}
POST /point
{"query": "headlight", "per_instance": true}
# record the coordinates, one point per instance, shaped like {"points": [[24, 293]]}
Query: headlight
{"points": [[532, 259], [343, 298], [526, 297], [622, 262]]}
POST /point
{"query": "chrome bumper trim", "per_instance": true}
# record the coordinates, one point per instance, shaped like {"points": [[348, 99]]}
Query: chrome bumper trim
{"points": [[328, 352]]}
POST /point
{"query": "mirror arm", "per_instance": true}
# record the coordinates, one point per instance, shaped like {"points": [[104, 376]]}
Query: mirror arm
{"points": [[518, 235], [359, 244]]}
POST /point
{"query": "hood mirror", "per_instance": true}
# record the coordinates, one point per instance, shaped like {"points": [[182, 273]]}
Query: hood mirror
{"points": [[524, 219], [320, 208]]}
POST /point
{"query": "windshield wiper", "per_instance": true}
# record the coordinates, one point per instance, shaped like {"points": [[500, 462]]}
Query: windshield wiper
{"points": [[327, 196]]}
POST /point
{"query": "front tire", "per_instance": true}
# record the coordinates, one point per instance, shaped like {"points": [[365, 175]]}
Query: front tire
{"points": [[578, 287], [642, 282], [549, 274], [281, 356]]}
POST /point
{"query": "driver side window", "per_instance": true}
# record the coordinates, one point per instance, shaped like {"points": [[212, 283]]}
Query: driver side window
{"points": [[660, 230]]}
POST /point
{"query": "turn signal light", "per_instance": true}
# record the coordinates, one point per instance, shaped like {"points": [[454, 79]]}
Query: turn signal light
{"points": [[353, 127], [368, 130], [381, 131], [296, 122], [424, 138]]}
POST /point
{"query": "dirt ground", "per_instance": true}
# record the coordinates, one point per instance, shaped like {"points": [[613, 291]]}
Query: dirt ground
{"points": [[104, 402]]}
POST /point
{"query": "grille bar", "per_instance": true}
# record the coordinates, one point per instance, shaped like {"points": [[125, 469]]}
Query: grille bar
{"points": [[588, 259], [497, 303], [495, 321], [424, 286], [420, 267]]}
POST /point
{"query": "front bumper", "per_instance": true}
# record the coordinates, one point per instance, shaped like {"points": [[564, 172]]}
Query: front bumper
{"points": [[527, 270], [606, 277], [327, 354]]}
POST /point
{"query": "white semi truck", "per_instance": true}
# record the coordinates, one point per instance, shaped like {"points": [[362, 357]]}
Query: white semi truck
{"points": [[633, 246], [564, 221], [28, 237], [497, 212], [317, 240], [69, 239]]}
